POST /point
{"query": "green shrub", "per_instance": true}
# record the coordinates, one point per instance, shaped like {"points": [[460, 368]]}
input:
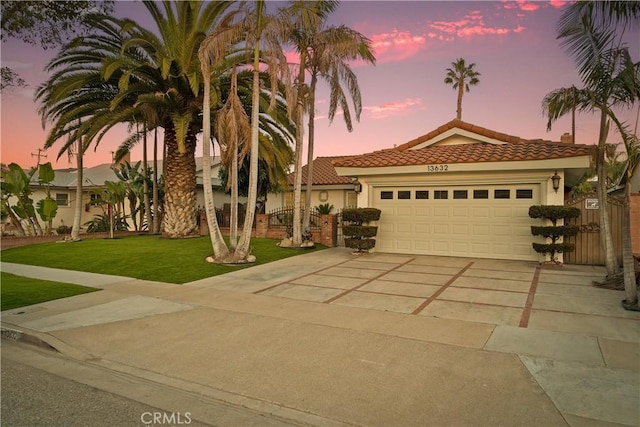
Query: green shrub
{"points": [[362, 231], [555, 231], [63, 229], [553, 212], [360, 215], [545, 248], [360, 244], [324, 209]]}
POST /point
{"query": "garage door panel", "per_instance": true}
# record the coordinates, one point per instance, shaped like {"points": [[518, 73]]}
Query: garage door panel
{"points": [[490, 228]]}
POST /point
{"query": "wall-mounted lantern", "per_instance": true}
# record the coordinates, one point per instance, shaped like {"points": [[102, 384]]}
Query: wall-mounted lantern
{"points": [[357, 187], [555, 180]]}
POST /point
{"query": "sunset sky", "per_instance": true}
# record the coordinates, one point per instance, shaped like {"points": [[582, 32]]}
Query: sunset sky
{"points": [[512, 43]]}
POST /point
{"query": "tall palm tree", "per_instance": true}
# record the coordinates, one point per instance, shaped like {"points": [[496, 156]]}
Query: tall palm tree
{"points": [[461, 76], [146, 70], [329, 53], [592, 33]]}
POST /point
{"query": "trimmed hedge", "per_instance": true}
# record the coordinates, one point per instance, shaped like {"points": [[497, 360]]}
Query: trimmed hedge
{"points": [[360, 230], [553, 247], [553, 212], [360, 244], [361, 215], [555, 231]]}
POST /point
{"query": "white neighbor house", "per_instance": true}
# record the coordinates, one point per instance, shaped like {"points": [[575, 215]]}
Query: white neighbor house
{"points": [[464, 190], [63, 190]]}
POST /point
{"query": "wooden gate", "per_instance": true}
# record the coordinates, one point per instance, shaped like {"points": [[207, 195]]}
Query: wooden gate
{"points": [[589, 250]]}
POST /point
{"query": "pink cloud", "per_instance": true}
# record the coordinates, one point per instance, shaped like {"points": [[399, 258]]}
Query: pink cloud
{"points": [[396, 45], [393, 108], [528, 6], [471, 25], [557, 3]]}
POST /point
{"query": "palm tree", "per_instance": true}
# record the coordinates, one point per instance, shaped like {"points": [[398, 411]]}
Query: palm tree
{"points": [[261, 37], [592, 33], [460, 77], [562, 101], [329, 52], [142, 71]]}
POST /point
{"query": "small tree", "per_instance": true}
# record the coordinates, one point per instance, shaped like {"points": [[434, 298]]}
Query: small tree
{"points": [[554, 232], [360, 235], [48, 207]]}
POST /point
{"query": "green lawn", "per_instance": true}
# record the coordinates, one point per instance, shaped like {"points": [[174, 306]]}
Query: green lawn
{"points": [[142, 257], [20, 291]]}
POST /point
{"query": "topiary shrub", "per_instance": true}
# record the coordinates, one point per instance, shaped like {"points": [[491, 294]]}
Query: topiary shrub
{"points": [[554, 232], [360, 237]]}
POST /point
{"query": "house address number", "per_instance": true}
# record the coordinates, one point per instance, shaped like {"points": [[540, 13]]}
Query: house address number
{"points": [[437, 168]]}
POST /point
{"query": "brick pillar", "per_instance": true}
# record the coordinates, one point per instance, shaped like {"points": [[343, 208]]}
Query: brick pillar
{"points": [[262, 225], [329, 231]]}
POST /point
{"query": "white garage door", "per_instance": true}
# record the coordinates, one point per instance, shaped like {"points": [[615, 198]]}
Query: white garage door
{"points": [[489, 221]]}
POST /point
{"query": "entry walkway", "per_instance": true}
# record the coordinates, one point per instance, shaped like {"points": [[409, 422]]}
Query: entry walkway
{"points": [[377, 339]]}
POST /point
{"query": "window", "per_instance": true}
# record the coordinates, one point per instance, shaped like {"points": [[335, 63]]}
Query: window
{"points": [[422, 194], [288, 199], [386, 195], [501, 194], [62, 199], [95, 197], [441, 194], [352, 199], [480, 194], [524, 194], [460, 194], [404, 195]]}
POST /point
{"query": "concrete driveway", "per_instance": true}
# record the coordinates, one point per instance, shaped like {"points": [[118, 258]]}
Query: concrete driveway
{"points": [[310, 319]]}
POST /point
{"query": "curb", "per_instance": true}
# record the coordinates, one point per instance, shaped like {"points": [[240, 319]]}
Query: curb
{"points": [[20, 336]]}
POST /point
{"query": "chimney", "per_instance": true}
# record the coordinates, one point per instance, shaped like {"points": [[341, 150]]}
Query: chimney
{"points": [[566, 138]]}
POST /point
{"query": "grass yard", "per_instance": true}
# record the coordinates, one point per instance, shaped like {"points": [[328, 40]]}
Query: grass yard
{"points": [[18, 291], [142, 257]]}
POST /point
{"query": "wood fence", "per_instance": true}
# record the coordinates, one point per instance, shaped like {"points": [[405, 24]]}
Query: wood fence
{"points": [[589, 249]]}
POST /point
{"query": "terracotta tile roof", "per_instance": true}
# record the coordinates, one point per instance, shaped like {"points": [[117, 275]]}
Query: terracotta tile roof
{"points": [[455, 123], [513, 149], [323, 173], [469, 153]]}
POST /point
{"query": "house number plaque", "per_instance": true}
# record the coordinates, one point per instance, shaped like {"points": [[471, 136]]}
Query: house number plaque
{"points": [[437, 168]]}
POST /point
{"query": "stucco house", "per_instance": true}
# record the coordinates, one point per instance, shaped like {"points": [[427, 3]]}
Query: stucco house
{"points": [[328, 187], [464, 190]]}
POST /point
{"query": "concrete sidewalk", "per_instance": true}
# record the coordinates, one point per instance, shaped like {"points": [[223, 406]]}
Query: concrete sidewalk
{"points": [[371, 340]]}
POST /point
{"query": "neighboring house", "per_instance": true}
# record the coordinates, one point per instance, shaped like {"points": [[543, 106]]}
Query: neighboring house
{"points": [[327, 187], [63, 189], [464, 190]]}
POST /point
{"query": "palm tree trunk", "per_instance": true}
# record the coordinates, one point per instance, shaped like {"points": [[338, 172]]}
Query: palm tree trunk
{"points": [[630, 286], [180, 204], [605, 226], [460, 93], [233, 176], [77, 215], [145, 184], [156, 190], [242, 250], [220, 250], [297, 188], [307, 205]]}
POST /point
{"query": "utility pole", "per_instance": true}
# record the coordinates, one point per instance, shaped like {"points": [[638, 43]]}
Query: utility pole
{"points": [[39, 155]]}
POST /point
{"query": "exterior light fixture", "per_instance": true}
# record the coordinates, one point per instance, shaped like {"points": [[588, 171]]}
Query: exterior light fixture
{"points": [[357, 187], [555, 179]]}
